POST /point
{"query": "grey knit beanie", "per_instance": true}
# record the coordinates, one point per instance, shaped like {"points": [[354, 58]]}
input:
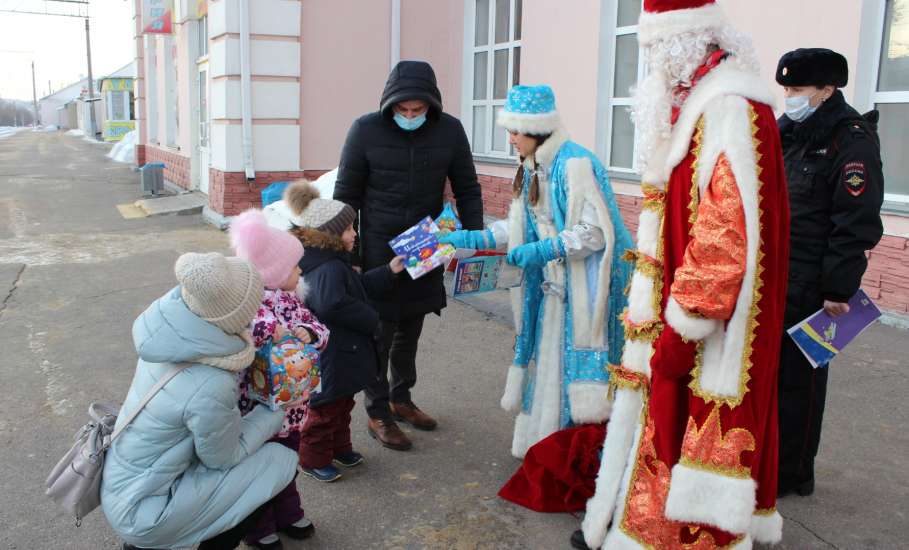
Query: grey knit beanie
{"points": [[224, 291], [313, 212]]}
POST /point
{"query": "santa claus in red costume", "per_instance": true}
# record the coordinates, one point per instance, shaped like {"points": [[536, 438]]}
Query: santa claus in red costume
{"points": [[690, 455]]}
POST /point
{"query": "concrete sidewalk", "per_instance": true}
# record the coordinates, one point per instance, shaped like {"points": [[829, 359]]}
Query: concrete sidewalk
{"points": [[74, 274]]}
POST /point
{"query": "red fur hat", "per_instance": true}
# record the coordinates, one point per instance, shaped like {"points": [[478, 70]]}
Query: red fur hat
{"points": [[662, 18]]}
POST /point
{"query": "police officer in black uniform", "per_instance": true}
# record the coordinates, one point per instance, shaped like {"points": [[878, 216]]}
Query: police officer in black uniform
{"points": [[836, 189]]}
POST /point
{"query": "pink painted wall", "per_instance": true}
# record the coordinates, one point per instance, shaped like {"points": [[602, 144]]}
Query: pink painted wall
{"points": [[779, 26], [424, 38], [345, 62], [186, 76], [560, 48]]}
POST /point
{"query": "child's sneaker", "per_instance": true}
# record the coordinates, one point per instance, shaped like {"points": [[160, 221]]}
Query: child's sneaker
{"points": [[349, 460], [300, 530], [326, 474]]}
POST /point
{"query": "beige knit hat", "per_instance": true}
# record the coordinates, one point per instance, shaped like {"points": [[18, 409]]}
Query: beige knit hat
{"points": [[313, 212], [224, 291]]}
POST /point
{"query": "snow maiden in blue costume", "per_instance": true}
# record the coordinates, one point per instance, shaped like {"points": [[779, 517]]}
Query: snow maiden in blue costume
{"points": [[565, 230]]}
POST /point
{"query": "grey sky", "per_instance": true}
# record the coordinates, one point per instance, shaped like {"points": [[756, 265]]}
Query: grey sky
{"points": [[57, 44]]}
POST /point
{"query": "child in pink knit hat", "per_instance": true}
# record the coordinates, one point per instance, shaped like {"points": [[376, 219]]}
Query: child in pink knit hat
{"points": [[276, 255]]}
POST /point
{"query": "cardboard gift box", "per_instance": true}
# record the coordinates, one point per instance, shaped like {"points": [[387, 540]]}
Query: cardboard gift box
{"points": [[285, 371]]}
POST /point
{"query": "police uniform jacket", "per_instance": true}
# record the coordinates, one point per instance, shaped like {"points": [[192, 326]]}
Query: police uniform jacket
{"points": [[836, 189]]}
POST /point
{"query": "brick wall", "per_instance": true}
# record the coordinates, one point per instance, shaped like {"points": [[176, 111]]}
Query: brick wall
{"points": [[140, 155], [230, 193], [177, 168]]}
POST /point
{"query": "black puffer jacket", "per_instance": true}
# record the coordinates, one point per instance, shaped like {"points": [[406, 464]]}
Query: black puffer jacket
{"points": [[338, 298], [836, 189], [395, 178]]}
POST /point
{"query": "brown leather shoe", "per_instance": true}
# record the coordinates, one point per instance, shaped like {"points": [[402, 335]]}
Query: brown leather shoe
{"points": [[410, 413], [388, 434]]}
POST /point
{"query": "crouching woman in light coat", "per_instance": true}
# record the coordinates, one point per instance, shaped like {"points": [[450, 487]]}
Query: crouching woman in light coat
{"points": [[565, 231], [189, 468]]}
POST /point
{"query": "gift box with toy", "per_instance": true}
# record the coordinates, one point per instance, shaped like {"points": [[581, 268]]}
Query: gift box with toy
{"points": [[285, 371]]}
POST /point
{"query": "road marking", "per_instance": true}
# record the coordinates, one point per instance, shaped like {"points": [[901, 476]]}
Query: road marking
{"points": [[54, 390]]}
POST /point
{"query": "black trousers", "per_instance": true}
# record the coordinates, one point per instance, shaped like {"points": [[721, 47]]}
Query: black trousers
{"points": [[398, 354], [802, 396]]}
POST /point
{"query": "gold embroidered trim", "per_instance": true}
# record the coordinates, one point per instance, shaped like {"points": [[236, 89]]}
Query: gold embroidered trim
{"points": [[751, 328], [654, 198], [648, 331], [765, 511], [710, 449], [646, 265], [695, 190]]}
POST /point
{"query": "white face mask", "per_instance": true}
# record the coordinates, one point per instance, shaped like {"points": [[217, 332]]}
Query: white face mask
{"points": [[799, 108]]}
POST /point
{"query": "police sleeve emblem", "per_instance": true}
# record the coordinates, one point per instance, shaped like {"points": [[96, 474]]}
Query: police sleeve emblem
{"points": [[854, 178]]}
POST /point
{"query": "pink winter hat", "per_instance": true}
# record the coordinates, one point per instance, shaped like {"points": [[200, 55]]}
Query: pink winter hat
{"points": [[272, 251]]}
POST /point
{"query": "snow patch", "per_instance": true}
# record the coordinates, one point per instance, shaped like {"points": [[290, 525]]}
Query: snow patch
{"points": [[75, 132], [125, 149]]}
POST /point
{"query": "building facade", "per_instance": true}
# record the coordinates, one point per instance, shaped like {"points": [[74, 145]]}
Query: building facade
{"points": [[245, 92]]}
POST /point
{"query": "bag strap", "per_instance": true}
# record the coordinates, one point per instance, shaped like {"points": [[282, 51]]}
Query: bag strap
{"points": [[148, 397]]}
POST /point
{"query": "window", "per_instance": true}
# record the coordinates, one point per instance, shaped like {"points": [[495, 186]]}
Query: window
{"points": [[890, 96], [117, 108], [172, 129], [492, 66], [203, 36], [627, 66]]}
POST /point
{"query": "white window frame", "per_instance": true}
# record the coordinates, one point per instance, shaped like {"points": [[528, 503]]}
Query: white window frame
{"points": [[874, 97], [468, 102], [202, 42], [608, 101]]}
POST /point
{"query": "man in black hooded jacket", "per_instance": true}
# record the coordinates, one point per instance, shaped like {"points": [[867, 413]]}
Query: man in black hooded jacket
{"points": [[836, 189], [393, 171]]}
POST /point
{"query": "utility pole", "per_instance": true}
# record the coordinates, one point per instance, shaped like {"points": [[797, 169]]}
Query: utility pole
{"points": [[91, 85], [37, 121]]}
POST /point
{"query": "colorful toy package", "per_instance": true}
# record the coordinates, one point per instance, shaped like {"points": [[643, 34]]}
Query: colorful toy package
{"points": [[447, 221], [284, 371], [421, 248], [821, 337], [484, 273]]}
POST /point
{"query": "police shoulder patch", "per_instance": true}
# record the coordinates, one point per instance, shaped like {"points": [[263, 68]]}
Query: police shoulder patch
{"points": [[854, 178]]}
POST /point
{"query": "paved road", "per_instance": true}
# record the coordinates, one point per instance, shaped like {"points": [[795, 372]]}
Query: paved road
{"points": [[74, 275]]}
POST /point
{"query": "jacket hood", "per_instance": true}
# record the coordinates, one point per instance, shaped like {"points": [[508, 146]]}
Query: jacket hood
{"points": [[320, 247], [411, 80], [168, 332]]}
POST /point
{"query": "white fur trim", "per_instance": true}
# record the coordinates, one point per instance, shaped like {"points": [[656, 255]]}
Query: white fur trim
{"points": [[537, 124], [767, 529], [514, 389], [546, 404], [728, 131], [618, 540], [641, 308], [516, 239], [548, 150], [302, 289], [589, 403], [745, 544], [589, 316], [619, 451], [649, 232], [728, 81], [701, 496], [519, 444], [636, 356], [688, 326], [654, 26]]}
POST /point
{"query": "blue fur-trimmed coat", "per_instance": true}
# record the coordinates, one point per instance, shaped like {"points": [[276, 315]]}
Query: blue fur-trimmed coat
{"points": [[567, 313]]}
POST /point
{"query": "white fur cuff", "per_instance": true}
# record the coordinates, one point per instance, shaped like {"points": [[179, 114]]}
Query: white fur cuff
{"points": [[688, 326], [514, 389], [767, 528], [588, 401], [706, 497], [525, 123]]}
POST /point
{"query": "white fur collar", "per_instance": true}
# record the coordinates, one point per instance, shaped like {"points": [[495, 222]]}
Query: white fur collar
{"points": [[547, 151], [727, 79]]}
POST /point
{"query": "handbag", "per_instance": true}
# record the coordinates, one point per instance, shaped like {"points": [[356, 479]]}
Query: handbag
{"points": [[75, 482]]}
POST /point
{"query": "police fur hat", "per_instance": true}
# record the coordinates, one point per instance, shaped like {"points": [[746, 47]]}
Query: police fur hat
{"points": [[813, 67]]}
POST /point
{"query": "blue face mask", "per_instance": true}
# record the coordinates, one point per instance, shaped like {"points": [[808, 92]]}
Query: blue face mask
{"points": [[409, 124], [799, 108]]}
